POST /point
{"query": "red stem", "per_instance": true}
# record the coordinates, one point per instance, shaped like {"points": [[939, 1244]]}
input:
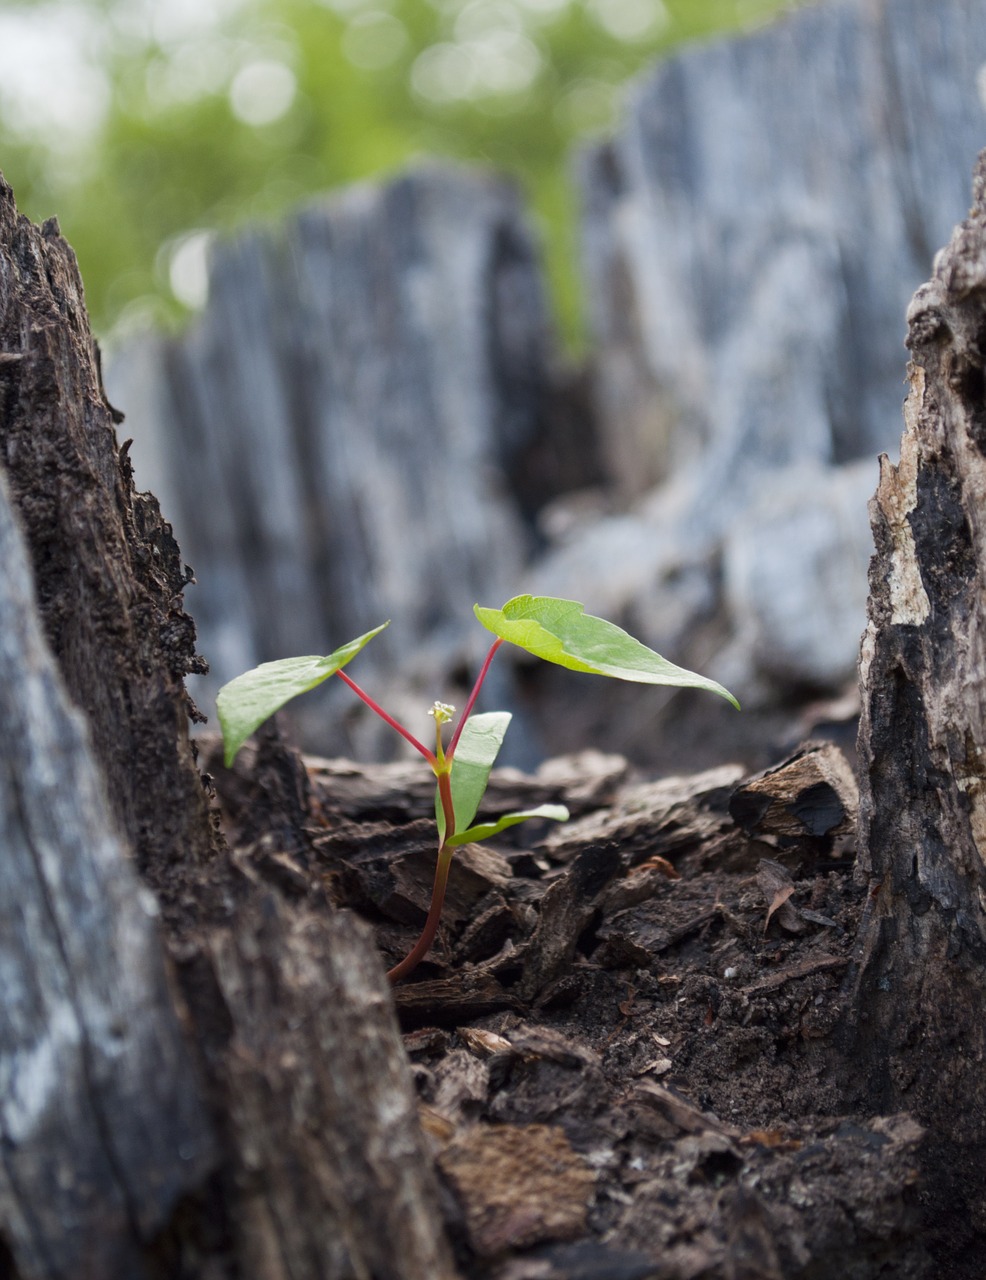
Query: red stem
{"points": [[375, 706], [423, 944], [472, 698]]}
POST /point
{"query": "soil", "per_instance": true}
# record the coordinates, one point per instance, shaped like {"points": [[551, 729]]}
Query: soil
{"points": [[625, 1042]]}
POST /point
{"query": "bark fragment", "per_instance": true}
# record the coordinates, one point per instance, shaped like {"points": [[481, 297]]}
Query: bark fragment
{"points": [[108, 572], [519, 1186]]}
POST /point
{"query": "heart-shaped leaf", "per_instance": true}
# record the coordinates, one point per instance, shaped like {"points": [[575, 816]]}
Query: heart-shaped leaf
{"points": [[483, 830], [478, 747], [560, 631], [246, 702]]}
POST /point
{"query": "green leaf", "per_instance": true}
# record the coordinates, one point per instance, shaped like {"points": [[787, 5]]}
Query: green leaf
{"points": [[246, 702], [560, 631], [556, 812], [478, 747]]}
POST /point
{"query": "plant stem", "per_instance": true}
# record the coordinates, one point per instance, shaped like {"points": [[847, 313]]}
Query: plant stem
{"points": [[375, 706], [423, 944], [472, 698], [445, 794], [441, 764]]}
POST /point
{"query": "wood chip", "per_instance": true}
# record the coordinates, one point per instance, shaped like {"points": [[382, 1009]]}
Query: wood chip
{"points": [[451, 1001], [811, 795], [662, 1113], [818, 965], [484, 1043], [518, 1185]]}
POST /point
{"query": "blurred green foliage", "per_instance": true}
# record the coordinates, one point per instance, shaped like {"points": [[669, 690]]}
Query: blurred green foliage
{"points": [[202, 116]]}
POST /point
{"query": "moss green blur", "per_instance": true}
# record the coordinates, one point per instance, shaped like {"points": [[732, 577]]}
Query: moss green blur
{"points": [[168, 161]]}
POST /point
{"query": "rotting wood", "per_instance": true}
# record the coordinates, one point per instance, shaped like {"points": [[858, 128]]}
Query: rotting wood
{"points": [[291, 1016], [812, 794], [103, 1127], [281, 1138], [818, 964], [918, 1009], [518, 1186], [108, 572], [334, 1180]]}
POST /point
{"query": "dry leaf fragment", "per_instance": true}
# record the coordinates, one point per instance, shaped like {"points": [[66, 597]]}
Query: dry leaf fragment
{"points": [[656, 1067], [776, 885], [657, 863], [775, 1139]]}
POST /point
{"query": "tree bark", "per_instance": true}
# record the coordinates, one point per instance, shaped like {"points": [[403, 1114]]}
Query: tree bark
{"points": [[107, 569], [248, 1111], [919, 1002], [100, 1134]]}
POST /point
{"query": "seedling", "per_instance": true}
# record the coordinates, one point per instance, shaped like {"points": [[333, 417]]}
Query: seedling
{"points": [[558, 631]]}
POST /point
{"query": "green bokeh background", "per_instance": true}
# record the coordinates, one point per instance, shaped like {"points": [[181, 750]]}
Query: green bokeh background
{"points": [[170, 154]]}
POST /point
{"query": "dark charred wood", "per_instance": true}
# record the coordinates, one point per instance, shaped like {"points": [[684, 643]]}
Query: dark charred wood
{"points": [[108, 573], [446, 1002], [918, 998], [810, 797]]}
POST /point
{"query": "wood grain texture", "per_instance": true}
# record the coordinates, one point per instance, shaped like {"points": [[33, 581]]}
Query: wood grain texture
{"points": [[102, 1125], [753, 233], [919, 1014], [332, 1179], [109, 576], [346, 434], [282, 1140], [755, 229]]}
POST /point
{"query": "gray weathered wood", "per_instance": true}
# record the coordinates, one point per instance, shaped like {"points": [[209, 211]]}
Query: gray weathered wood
{"points": [[102, 1123], [282, 1138], [918, 1001], [345, 429], [754, 232]]}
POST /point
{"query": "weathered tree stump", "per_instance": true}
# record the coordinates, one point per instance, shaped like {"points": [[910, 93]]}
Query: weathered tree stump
{"points": [[754, 231], [919, 1003], [103, 1131], [246, 1109], [678, 1038], [347, 433], [108, 574]]}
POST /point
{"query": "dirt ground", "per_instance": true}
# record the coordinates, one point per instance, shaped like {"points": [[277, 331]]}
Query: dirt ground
{"points": [[626, 1040]]}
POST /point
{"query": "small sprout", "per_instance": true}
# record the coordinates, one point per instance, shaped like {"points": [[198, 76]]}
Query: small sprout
{"points": [[558, 631]]}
